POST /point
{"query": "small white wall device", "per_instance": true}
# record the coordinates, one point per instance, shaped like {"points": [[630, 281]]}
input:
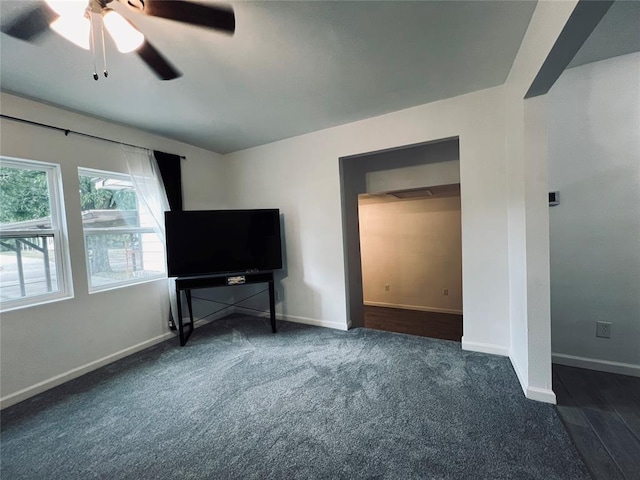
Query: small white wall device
{"points": [[554, 198]]}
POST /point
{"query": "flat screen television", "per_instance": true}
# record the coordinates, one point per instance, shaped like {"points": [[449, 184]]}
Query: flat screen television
{"points": [[209, 242]]}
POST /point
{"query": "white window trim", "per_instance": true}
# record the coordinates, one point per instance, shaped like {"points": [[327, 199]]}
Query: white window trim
{"points": [[89, 172], [58, 230]]}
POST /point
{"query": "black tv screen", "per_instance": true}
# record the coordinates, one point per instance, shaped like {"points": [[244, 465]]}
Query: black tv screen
{"points": [[207, 242]]}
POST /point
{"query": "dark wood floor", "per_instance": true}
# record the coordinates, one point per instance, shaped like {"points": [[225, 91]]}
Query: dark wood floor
{"points": [[601, 411], [426, 324]]}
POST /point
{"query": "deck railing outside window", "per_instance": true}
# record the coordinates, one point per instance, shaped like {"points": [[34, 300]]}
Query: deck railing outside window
{"points": [[34, 254], [27, 265]]}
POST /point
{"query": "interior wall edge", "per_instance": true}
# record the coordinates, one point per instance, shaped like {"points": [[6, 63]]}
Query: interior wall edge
{"points": [[532, 392], [522, 380]]}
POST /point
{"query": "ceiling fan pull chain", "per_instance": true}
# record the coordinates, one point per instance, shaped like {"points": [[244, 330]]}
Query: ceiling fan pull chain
{"points": [[104, 51], [93, 47]]}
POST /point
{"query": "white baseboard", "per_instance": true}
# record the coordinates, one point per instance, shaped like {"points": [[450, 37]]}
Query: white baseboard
{"points": [[56, 380], [545, 395], [596, 364], [199, 322], [538, 394], [25, 393], [485, 348], [413, 307], [295, 319], [313, 321]]}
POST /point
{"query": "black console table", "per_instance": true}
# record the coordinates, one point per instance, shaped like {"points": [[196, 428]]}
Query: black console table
{"points": [[186, 284]]}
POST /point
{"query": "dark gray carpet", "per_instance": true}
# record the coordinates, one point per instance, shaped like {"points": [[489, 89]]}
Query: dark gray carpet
{"points": [[307, 403]]}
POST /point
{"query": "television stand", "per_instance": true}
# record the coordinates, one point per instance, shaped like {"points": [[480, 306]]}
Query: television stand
{"points": [[186, 284]]}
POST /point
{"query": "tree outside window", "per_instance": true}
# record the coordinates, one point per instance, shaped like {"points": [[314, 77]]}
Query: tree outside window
{"points": [[33, 256]]}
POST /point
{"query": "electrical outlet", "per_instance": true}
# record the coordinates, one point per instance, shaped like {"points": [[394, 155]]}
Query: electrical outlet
{"points": [[445, 291], [386, 287], [603, 329]]}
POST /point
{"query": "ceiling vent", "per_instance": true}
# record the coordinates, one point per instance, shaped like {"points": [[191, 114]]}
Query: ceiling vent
{"points": [[450, 190], [413, 193]]}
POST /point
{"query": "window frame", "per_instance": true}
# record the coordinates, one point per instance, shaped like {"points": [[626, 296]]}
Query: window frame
{"points": [[92, 172], [58, 231]]}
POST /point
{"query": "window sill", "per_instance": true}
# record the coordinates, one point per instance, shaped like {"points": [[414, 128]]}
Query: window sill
{"points": [[116, 286], [37, 301]]}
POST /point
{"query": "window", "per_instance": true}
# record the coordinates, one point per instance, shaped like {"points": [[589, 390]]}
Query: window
{"points": [[34, 258], [121, 243]]}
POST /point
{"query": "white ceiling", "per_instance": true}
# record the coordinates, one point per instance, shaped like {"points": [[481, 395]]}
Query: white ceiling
{"points": [[290, 68], [293, 67]]}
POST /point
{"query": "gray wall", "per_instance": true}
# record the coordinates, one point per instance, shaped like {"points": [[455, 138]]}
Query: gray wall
{"points": [[594, 161]]}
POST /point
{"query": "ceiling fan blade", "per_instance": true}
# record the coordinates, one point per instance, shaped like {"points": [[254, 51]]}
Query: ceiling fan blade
{"points": [[31, 24], [209, 16], [156, 62]]}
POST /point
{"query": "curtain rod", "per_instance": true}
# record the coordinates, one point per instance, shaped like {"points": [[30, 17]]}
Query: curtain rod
{"points": [[67, 131]]}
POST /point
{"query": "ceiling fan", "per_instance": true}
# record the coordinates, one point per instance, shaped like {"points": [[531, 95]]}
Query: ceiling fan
{"points": [[73, 19]]}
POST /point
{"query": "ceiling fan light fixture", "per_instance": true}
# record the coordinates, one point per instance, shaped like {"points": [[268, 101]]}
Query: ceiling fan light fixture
{"points": [[74, 29], [125, 35], [68, 8]]}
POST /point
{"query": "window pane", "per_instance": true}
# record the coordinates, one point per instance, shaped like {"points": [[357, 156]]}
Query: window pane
{"points": [[27, 266], [33, 265], [121, 247], [24, 199], [108, 202], [116, 258]]}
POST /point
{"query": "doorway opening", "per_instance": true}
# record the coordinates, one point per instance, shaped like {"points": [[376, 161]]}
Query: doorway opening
{"points": [[402, 239], [411, 255]]}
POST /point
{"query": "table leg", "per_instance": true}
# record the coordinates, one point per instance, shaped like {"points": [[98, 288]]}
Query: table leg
{"points": [[272, 305], [180, 326], [190, 306]]}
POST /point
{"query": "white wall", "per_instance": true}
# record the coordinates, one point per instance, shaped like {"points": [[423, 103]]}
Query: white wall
{"points": [[502, 204], [525, 147], [301, 177], [594, 161], [42, 346], [413, 247]]}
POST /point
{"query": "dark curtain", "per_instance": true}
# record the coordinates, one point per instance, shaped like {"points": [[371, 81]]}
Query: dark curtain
{"points": [[169, 166], [171, 174]]}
